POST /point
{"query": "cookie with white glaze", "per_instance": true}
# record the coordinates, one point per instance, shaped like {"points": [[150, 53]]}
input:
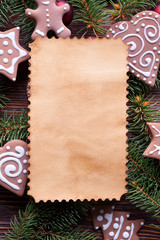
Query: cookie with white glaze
{"points": [[49, 17], [14, 166], [114, 224], [11, 53], [142, 35], [153, 150]]}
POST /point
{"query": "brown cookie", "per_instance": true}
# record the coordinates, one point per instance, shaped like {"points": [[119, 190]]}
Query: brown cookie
{"points": [[153, 149], [11, 53], [115, 225], [14, 166], [48, 16], [142, 34]]}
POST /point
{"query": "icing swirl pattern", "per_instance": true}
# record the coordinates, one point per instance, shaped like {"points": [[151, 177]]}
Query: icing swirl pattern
{"points": [[142, 35], [14, 166]]}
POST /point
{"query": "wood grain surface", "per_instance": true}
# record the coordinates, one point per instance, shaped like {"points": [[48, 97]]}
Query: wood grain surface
{"points": [[10, 204]]}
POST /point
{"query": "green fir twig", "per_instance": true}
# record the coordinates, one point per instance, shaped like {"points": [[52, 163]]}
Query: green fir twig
{"points": [[14, 126], [50, 221]]}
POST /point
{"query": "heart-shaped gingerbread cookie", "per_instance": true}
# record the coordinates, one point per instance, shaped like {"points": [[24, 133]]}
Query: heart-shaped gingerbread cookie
{"points": [[142, 34], [14, 166]]}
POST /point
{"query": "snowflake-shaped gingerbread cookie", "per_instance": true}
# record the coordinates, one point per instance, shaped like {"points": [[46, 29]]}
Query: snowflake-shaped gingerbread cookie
{"points": [[11, 53], [48, 16]]}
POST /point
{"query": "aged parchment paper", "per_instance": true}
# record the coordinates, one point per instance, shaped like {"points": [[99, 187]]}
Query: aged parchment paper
{"points": [[78, 119]]}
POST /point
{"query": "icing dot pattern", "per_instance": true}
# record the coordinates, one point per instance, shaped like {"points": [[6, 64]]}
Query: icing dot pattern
{"points": [[142, 35], [11, 53], [115, 224]]}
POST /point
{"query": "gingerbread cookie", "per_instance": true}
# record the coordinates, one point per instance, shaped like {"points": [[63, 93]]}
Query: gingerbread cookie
{"points": [[115, 225], [153, 149], [14, 166], [48, 16], [11, 53], [142, 34]]}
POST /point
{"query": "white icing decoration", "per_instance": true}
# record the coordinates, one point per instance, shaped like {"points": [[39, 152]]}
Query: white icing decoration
{"points": [[122, 28], [8, 148], [132, 71], [116, 219], [153, 75], [111, 234], [110, 29], [150, 82], [10, 51], [60, 30], [157, 59], [133, 47], [120, 226], [131, 233], [137, 16], [19, 181], [1, 52], [157, 148], [155, 68], [113, 207], [5, 60], [138, 75], [115, 225], [48, 25], [65, 8], [46, 2], [47, 20], [150, 34], [5, 43], [29, 13], [125, 235], [127, 215], [137, 30], [22, 53], [24, 171], [128, 228], [116, 26], [14, 79], [148, 62], [132, 21], [40, 33], [144, 79], [150, 14], [47, 15], [96, 228], [144, 14], [142, 223], [99, 218], [113, 32], [155, 48], [156, 16], [107, 216], [157, 135], [134, 61], [10, 168], [131, 43], [47, 10], [158, 52], [143, 25]]}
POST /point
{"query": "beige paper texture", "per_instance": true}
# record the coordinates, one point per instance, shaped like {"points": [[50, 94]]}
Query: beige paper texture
{"points": [[78, 119]]}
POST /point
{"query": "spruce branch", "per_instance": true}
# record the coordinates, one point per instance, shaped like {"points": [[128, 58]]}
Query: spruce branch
{"points": [[14, 126], [125, 9], [50, 221], [92, 14]]}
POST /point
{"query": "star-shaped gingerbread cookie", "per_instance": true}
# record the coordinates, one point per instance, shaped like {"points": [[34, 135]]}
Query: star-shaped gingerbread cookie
{"points": [[11, 53], [48, 16], [153, 149], [142, 34], [14, 166]]}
